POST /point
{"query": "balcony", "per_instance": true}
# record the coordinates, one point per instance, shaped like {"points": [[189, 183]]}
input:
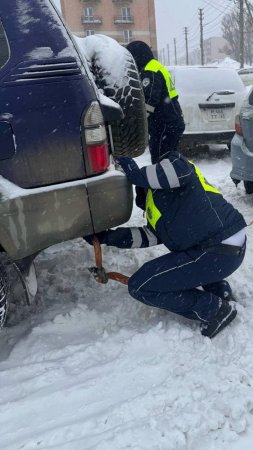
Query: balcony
{"points": [[94, 20], [123, 19]]}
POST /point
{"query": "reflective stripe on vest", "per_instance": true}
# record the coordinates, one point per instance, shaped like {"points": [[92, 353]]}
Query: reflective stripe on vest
{"points": [[155, 66], [152, 212], [204, 183]]}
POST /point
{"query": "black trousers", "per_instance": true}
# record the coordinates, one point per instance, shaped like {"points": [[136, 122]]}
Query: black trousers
{"points": [[172, 282], [164, 138]]}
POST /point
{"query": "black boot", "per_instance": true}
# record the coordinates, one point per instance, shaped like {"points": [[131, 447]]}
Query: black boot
{"points": [[224, 316], [221, 289]]}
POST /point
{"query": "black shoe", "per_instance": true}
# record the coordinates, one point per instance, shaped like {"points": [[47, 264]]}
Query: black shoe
{"points": [[224, 316], [228, 296]]}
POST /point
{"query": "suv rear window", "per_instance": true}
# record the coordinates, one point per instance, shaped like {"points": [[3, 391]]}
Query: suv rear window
{"points": [[204, 81], [4, 47]]}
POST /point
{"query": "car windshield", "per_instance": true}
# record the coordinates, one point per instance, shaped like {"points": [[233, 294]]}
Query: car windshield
{"points": [[206, 81]]}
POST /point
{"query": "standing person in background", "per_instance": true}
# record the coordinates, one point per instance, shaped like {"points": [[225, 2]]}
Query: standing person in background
{"points": [[165, 117]]}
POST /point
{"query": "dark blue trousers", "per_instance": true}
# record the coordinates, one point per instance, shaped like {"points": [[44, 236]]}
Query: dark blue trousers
{"points": [[164, 138], [170, 282]]}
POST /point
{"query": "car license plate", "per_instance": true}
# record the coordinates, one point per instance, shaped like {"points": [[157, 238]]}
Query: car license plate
{"points": [[216, 114]]}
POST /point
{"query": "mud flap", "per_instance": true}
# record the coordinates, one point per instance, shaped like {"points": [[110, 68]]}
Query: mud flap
{"points": [[4, 291], [28, 278]]}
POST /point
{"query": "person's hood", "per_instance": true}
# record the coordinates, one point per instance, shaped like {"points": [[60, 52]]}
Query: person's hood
{"points": [[141, 53]]}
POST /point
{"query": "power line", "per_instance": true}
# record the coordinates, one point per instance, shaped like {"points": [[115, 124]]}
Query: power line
{"points": [[215, 7]]}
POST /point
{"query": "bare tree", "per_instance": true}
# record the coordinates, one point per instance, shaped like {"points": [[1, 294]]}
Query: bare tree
{"points": [[231, 32], [248, 39]]}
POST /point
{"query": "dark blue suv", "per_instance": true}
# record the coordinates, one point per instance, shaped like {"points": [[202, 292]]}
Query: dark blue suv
{"points": [[57, 178]]}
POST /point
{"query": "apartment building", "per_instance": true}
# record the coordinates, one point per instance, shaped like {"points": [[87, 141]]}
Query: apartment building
{"points": [[216, 48], [123, 20]]}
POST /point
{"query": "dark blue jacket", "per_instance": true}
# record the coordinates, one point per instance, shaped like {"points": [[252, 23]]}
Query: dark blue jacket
{"points": [[193, 213], [160, 108]]}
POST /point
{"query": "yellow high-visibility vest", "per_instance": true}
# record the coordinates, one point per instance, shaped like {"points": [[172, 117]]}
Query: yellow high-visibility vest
{"points": [[152, 212], [155, 66], [206, 186]]}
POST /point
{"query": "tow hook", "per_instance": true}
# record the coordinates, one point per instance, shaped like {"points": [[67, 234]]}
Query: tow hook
{"points": [[99, 273]]}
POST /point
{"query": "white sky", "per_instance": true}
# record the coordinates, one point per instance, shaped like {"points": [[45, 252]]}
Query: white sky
{"points": [[172, 17], [57, 3]]}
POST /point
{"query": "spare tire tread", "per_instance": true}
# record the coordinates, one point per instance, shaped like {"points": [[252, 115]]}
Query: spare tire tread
{"points": [[130, 134]]}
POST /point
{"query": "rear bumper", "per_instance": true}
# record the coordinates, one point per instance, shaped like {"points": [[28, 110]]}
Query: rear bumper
{"points": [[34, 219], [195, 139], [242, 160]]}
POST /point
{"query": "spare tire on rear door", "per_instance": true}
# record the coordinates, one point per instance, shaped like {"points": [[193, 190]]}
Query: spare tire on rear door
{"points": [[116, 74]]}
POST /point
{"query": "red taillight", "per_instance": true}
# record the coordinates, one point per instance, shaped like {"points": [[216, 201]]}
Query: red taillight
{"points": [[96, 141], [238, 127], [98, 157]]}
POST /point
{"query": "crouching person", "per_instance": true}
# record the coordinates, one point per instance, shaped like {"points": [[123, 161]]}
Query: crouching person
{"points": [[204, 233]]}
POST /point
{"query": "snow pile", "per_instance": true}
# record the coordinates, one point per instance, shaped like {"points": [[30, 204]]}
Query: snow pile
{"points": [[91, 368], [228, 63], [107, 54]]}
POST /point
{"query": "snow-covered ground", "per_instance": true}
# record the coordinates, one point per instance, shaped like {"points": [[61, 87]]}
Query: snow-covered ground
{"points": [[91, 368]]}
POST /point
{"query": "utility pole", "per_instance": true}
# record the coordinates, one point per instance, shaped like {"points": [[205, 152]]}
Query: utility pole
{"points": [[168, 54], [241, 27], [186, 45], [164, 56], [175, 51], [201, 17]]}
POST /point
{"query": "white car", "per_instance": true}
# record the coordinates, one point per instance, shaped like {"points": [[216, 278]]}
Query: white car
{"points": [[210, 98], [246, 76]]}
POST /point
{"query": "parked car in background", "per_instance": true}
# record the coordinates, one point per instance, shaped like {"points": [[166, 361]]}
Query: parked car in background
{"points": [[242, 145], [246, 76], [58, 132], [210, 98]]}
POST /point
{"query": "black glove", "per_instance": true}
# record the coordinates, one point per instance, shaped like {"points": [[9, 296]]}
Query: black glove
{"points": [[127, 164], [140, 198], [100, 236]]}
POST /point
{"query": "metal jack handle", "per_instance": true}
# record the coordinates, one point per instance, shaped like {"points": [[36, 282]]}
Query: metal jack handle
{"points": [[99, 273]]}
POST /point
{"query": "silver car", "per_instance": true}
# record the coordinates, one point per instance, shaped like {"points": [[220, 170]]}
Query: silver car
{"points": [[242, 145]]}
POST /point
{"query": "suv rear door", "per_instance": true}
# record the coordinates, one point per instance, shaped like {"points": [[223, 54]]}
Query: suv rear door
{"points": [[44, 91]]}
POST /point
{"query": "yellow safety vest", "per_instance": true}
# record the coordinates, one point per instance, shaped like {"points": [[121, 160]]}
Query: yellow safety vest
{"points": [[152, 212], [155, 66], [206, 186]]}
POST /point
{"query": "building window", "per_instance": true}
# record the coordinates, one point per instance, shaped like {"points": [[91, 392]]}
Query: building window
{"points": [[125, 13], [4, 48], [88, 13], [127, 35], [89, 32]]}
